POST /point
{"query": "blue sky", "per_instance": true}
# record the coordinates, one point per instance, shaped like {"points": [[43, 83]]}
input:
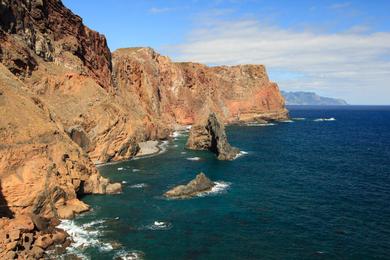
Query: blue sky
{"points": [[335, 48]]}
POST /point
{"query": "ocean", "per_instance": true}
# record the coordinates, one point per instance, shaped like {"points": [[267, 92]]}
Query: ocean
{"points": [[315, 187]]}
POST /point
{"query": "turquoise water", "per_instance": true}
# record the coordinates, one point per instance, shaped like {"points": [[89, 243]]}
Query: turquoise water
{"points": [[306, 190]]}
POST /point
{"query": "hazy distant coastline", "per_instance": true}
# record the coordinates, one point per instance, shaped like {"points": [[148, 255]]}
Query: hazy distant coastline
{"points": [[311, 99]]}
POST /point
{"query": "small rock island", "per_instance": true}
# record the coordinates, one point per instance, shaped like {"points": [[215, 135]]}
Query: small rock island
{"points": [[210, 135], [198, 185]]}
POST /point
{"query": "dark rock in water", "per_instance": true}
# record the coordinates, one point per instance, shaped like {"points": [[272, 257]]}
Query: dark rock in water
{"points": [[198, 185], [211, 136]]}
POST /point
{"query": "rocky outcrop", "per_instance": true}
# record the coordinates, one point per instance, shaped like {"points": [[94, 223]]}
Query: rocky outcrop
{"points": [[53, 33], [197, 186], [210, 135], [25, 237], [41, 169]]}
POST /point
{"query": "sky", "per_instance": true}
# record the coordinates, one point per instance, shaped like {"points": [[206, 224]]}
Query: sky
{"points": [[334, 48]]}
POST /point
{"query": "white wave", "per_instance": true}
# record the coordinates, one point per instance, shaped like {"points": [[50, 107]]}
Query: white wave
{"points": [[286, 121], [120, 169], [158, 225], [220, 187], [176, 146], [194, 158], [176, 134], [83, 237], [240, 154], [136, 170], [129, 255], [324, 119], [93, 223], [183, 152], [163, 147], [124, 182], [298, 118], [259, 124], [139, 186]]}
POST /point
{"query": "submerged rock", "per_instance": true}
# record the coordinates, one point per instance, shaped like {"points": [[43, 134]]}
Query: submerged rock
{"points": [[198, 185], [211, 136]]}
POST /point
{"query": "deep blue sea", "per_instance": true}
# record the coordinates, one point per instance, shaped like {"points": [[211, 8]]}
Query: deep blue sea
{"points": [[314, 188]]}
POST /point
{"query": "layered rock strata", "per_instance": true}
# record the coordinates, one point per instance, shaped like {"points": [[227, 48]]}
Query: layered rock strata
{"points": [[210, 135], [197, 186]]}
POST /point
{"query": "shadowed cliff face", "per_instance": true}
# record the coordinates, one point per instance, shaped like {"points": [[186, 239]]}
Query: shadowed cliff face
{"points": [[4, 209]]}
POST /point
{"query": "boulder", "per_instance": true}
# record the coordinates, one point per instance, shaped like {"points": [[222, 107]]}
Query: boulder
{"points": [[198, 185], [44, 241], [114, 188], [41, 223], [211, 135]]}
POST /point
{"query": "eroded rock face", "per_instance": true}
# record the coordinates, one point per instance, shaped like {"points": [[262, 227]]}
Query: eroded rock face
{"points": [[54, 34], [210, 135], [197, 186], [22, 239], [41, 169]]}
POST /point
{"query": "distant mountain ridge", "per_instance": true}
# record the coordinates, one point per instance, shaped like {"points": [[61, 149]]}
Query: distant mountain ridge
{"points": [[311, 98]]}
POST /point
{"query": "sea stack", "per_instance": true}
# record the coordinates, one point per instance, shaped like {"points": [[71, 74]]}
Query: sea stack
{"points": [[210, 135], [198, 185]]}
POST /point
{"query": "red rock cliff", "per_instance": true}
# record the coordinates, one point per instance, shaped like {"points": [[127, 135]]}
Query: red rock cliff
{"points": [[43, 167], [53, 33], [80, 109], [64, 106], [179, 92]]}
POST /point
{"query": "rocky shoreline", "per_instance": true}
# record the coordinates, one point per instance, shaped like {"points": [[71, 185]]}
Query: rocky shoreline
{"points": [[72, 104]]}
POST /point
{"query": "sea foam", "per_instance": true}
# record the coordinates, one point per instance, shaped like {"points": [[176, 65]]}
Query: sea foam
{"points": [[194, 158], [139, 186], [240, 154], [158, 225], [84, 236], [324, 119], [220, 187], [259, 124], [129, 255]]}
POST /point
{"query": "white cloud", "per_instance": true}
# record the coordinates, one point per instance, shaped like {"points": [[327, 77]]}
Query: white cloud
{"points": [[345, 64]]}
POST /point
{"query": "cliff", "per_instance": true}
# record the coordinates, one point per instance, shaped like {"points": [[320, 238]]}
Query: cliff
{"points": [[180, 92], [67, 104]]}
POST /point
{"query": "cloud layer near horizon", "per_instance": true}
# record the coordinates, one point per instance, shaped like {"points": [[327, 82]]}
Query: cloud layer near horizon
{"points": [[353, 64]]}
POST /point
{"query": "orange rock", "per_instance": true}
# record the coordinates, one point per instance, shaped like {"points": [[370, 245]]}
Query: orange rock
{"points": [[44, 241]]}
